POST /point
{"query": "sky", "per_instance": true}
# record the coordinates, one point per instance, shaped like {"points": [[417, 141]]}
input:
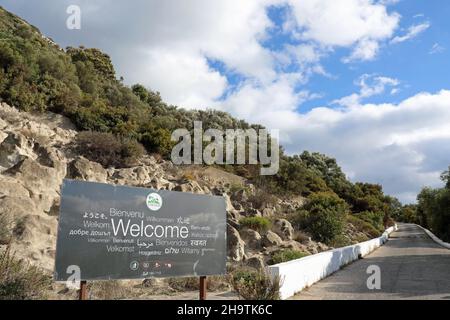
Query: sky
{"points": [[363, 81]]}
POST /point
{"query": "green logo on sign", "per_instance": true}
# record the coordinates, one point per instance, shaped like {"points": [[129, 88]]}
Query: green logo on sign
{"points": [[154, 201]]}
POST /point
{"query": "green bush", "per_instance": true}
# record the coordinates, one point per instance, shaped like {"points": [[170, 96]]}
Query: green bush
{"points": [[364, 226], [108, 149], [375, 219], [293, 178], [157, 141], [19, 280], [287, 255], [255, 285], [259, 224], [323, 216], [433, 210], [342, 241]]}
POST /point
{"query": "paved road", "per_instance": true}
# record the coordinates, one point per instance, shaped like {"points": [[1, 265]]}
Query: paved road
{"points": [[412, 267]]}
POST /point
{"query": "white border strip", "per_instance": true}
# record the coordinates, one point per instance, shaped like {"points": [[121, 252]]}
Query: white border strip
{"points": [[299, 274], [434, 238]]}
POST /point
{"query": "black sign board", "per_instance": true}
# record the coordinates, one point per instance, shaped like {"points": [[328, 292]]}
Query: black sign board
{"points": [[117, 232]]}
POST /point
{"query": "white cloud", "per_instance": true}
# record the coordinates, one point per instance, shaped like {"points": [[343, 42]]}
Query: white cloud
{"points": [[404, 147], [370, 85], [364, 50], [191, 81], [388, 2], [436, 48], [413, 31], [343, 23], [361, 24]]}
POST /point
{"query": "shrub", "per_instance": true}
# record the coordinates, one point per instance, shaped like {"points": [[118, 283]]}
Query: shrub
{"points": [[261, 199], [255, 285], [342, 241], [259, 224], [375, 219], [213, 283], [287, 255], [323, 216], [300, 236], [364, 226], [107, 149], [19, 280], [157, 141], [389, 222]]}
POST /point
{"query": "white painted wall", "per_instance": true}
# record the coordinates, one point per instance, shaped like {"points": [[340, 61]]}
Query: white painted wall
{"points": [[299, 274], [435, 239]]}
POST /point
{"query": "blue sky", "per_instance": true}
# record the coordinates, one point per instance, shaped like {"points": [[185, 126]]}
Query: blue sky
{"points": [[364, 81]]}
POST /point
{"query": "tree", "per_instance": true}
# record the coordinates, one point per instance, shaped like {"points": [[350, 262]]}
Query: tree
{"points": [[445, 176], [324, 216]]}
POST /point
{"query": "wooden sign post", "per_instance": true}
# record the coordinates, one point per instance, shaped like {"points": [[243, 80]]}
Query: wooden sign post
{"points": [[83, 292], [203, 286]]}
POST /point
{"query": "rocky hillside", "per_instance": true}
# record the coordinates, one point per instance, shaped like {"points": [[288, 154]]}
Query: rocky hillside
{"points": [[36, 154]]}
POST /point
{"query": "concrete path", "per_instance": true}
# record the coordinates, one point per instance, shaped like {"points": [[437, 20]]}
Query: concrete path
{"points": [[412, 267]]}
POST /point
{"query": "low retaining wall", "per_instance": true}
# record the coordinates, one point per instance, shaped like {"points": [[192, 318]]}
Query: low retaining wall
{"points": [[435, 239], [298, 274]]}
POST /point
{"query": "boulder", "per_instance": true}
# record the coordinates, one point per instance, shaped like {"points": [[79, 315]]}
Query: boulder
{"points": [[322, 247], [294, 245], [13, 149], [191, 186], [271, 239], [256, 262], [161, 184], [284, 229], [136, 176], [252, 238], [236, 246], [239, 196], [251, 212], [228, 202], [83, 169]]}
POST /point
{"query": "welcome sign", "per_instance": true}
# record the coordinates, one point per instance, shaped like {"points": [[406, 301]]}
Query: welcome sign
{"points": [[117, 232]]}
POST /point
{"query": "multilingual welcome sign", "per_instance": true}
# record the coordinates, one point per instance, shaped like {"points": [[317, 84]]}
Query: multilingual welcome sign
{"points": [[118, 232]]}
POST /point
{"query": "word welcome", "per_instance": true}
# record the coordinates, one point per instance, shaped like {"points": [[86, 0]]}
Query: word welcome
{"points": [[148, 230]]}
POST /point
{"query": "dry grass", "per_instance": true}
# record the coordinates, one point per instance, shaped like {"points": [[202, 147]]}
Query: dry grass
{"points": [[20, 280], [255, 285], [214, 283]]}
